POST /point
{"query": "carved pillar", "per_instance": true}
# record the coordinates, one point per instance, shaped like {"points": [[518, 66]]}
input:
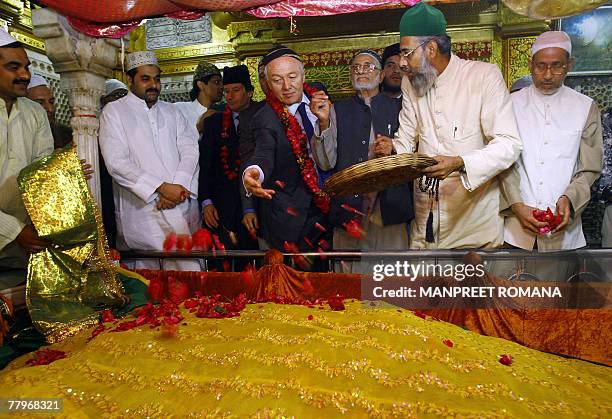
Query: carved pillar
{"points": [[84, 64]]}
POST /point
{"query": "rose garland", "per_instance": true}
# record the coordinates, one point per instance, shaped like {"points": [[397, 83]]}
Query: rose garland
{"points": [[231, 171], [297, 139]]}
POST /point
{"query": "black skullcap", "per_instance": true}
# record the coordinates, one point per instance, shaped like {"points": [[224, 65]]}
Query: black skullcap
{"points": [[277, 52], [390, 51], [372, 54], [237, 74]]}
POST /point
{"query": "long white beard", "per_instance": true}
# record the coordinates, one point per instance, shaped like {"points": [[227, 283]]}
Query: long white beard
{"points": [[424, 78]]}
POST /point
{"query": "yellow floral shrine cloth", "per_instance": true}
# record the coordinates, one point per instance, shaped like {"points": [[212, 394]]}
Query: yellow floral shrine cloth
{"points": [[296, 361]]}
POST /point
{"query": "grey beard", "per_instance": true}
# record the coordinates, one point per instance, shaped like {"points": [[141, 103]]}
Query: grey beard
{"points": [[365, 86], [424, 78]]}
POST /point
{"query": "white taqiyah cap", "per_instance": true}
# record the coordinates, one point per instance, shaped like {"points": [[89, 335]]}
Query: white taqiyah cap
{"points": [[114, 84], [36, 81], [138, 58], [552, 39], [5, 38]]}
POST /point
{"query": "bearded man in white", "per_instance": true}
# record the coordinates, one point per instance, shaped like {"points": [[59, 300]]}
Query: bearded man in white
{"points": [[562, 151], [152, 155], [460, 113]]}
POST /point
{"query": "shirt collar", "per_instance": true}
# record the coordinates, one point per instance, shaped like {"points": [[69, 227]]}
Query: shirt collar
{"points": [[201, 108], [293, 108], [138, 101]]}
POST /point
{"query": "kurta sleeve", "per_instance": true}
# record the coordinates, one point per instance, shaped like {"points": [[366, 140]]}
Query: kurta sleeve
{"points": [[498, 123], [405, 140], [115, 150], [189, 153], [324, 144], [510, 190], [590, 162], [42, 145]]}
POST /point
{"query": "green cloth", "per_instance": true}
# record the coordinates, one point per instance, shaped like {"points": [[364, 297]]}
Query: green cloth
{"points": [[422, 20], [24, 338]]}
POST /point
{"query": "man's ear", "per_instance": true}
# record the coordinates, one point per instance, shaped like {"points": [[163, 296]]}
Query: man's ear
{"points": [[382, 76], [250, 94], [570, 64]]}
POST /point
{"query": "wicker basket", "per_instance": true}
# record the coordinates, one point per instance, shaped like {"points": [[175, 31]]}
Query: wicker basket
{"points": [[377, 174]]}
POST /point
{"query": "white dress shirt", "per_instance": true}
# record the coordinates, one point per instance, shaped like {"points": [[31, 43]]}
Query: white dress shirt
{"points": [[144, 147]]}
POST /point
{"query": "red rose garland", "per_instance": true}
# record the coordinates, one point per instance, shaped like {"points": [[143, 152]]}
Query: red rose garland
{"points": [[297, 138], [231, 171]]}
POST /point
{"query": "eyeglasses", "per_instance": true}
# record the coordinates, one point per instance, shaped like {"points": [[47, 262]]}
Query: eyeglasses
{"points": [[555, 68], [405, 54], [363, 68]]}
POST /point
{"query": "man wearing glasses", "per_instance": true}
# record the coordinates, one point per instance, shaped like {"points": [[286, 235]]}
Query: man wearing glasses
{"points": [[356, 126], [562, 151], [460, 113]]}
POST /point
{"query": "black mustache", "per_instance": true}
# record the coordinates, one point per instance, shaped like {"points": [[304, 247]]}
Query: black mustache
{"points": [[152, 90]]}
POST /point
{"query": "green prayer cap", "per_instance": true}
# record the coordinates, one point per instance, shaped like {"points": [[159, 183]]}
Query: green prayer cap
{"points": [[422, 20], [205, 69]]}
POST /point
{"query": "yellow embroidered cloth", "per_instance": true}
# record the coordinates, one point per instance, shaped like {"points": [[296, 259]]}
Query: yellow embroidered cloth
{"points": [[72, 278], [274, 360]]}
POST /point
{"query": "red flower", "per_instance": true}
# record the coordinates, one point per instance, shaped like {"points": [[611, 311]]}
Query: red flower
{"points": [[156, 289], [45, 357], [354, 229], [178, 291], [292, 211], [231, 171], [448, 343], [191, 303], [547, 216], [183, 242], [297, 140], [320, 227], [336, 302], [351, 209], [201, 239], [506, 359], [97, 331], [310, 317], [280, 184], [108, 316], [170, 242]]}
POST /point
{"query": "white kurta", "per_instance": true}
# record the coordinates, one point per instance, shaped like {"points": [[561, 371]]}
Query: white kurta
{"points": [[467, 113], [144, 148], [551, 127], [25, 136], [191, 111]]}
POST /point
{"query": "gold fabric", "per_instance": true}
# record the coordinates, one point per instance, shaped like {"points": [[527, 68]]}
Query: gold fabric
{"points": [[273, 361], [73, 278]]}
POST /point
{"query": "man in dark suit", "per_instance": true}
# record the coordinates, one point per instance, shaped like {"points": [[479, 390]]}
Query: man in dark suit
{"points": [[293, 209], [353, 130], [219, 183]]}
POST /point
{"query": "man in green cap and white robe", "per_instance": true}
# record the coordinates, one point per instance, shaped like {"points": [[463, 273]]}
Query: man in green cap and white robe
{"points": [[460, 113]]}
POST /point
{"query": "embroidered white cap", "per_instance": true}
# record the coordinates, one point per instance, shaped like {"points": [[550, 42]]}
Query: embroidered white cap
{"points": [[138, 58], [5, 38], [552, 39], [36, 81], [113, 84]]}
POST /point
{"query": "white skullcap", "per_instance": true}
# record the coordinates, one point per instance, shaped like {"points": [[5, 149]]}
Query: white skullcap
{"points": [[36, 81], [114, 84], [138, 58], [5, 38], [552, 39]]}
